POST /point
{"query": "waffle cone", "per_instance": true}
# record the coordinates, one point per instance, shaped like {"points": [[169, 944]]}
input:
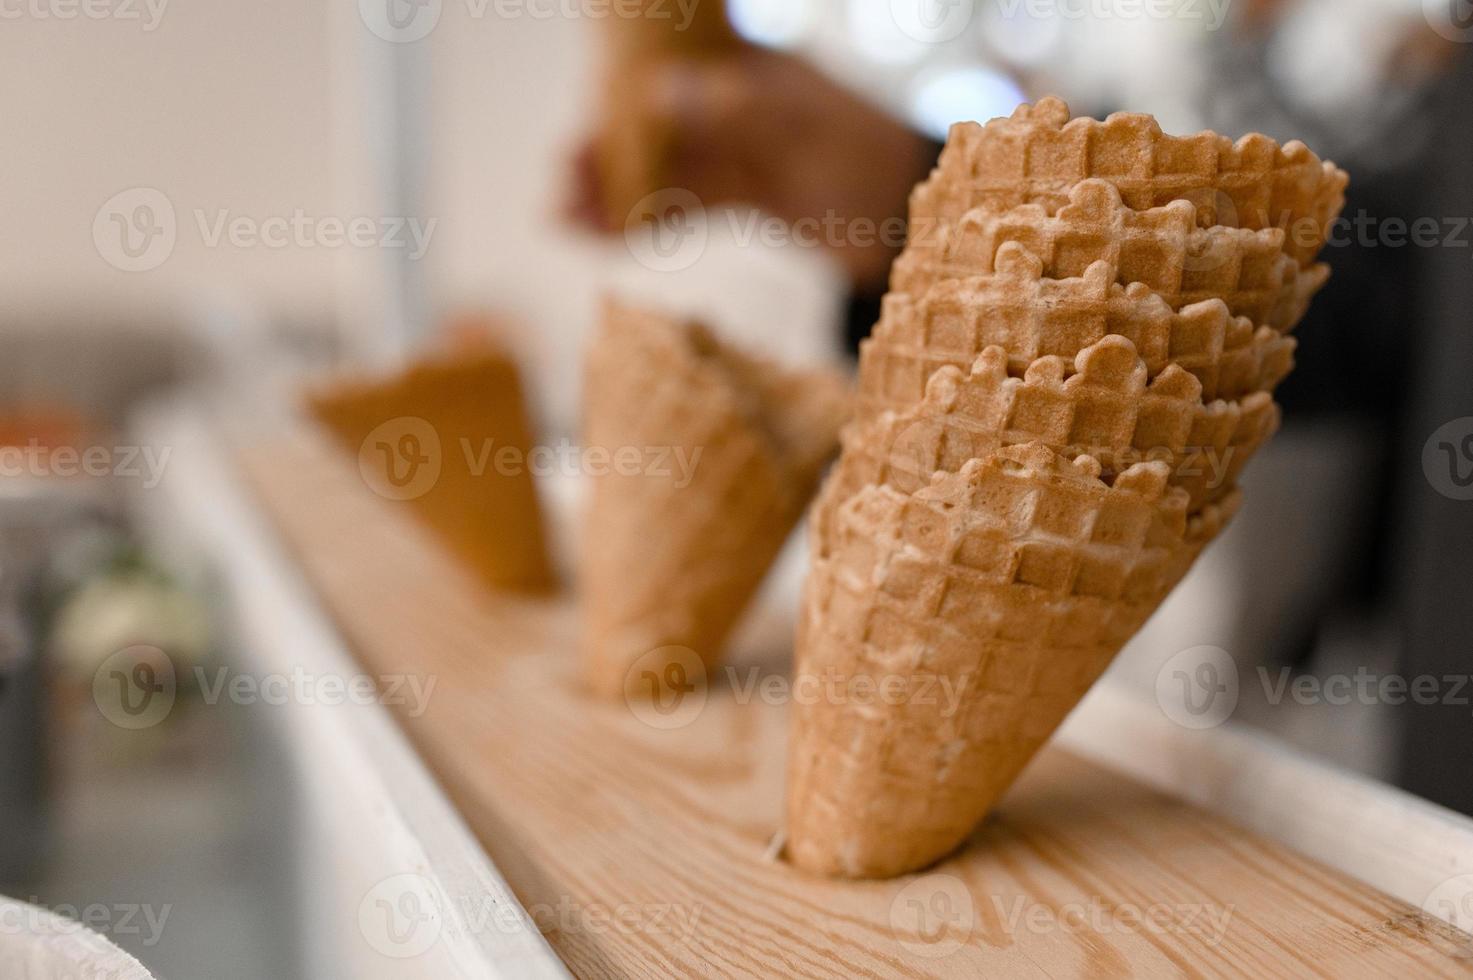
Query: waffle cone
{"points": [[979, 609], [671, 559], [450, 413], [1066, 381]]}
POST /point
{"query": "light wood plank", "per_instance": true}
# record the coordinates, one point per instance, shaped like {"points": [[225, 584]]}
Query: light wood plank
{"points": [[588, 811]]}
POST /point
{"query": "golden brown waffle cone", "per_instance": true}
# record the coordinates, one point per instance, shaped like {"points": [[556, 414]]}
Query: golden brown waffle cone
{"points": [[985, 605], [1102, 405], [1030, 316], [634, 145], [1054, 411], [1039, 154], [450, 414], [672, 560], [1162, 248]]}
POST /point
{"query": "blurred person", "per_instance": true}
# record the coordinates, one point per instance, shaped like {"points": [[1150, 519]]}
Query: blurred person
{"points": [[771, 131]]}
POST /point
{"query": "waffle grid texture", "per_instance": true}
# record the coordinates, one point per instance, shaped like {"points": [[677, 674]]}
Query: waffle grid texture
{"points": [[674, 551], [1075, 362]]}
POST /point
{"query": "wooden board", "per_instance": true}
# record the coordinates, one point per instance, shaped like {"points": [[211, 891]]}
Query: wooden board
{"points": [[644, 851]]}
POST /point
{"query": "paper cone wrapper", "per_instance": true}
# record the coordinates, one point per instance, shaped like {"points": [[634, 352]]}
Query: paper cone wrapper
{"points": [[674, 552], [945, 634], [427, 439]]}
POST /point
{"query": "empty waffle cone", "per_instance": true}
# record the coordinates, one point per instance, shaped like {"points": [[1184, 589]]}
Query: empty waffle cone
{"points": [[1054, 410], [427, 439], [673, 553], [635, 142], [1039, 154], [951, 630]]}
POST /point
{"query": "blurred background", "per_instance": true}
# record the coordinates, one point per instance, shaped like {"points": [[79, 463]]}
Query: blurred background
{"points": [[205, 204]]}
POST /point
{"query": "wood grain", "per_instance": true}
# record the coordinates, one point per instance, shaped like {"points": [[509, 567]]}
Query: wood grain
{"points": [[643, 851]]}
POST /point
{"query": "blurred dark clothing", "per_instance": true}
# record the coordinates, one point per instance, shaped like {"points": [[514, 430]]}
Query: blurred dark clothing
{"points": [[1433, 534]]}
